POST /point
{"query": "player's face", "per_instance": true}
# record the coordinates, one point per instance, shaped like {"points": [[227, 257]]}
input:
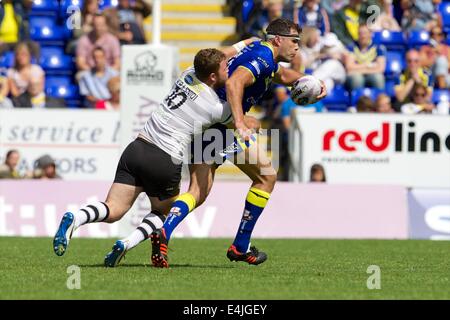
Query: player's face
{"points": [[222, 74], [288, 47]]}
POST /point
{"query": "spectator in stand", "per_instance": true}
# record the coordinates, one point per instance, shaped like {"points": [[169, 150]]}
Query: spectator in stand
{"points": [[98, 37], [114, 102], [365, 62], [5, 102], [385, 20], [333, 6], [45, 168], [273, 10], [419, 15], [93, 83], [311, 14], [324, 55], [20, 75], [383, 104], [36, 98], [130, 29], [88, 11], [244, 23], [413, 74], [419, 101], [436, 57], [8, 170], [288, 105], [317, 173], [345, 22], [13, 24], [365, 104]]}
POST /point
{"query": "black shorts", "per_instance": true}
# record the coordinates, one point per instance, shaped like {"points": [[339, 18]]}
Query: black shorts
{"points": [[143, 164]]}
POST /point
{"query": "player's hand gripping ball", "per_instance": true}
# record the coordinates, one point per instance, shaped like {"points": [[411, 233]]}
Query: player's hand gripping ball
{"points": [[306, 90]]}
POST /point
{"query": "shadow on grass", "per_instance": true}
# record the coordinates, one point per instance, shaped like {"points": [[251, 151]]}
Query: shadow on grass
{"points": [[172, 266]]}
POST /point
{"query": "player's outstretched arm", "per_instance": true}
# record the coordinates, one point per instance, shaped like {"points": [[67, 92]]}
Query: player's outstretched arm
{"points": [[286, 76], [233, 50]]}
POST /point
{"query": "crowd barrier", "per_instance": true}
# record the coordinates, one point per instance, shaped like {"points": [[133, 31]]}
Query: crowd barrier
{"points": [[34, 208]]}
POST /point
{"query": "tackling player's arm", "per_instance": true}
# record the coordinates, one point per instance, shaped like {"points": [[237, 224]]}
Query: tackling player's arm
{"points": [[235, 86], [233, 50]]}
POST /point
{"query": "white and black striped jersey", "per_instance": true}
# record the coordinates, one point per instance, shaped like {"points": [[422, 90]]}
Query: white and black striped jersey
{"points": [[190, 108]]}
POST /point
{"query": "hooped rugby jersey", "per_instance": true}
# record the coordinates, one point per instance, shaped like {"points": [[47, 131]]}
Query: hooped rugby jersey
{"points": [[189, 108]]}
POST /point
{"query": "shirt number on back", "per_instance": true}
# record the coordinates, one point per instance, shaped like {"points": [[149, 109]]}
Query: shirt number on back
{"points": [[176, 98]]}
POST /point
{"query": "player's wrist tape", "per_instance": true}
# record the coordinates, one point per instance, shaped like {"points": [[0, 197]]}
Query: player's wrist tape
{"points": [[239, 46]]}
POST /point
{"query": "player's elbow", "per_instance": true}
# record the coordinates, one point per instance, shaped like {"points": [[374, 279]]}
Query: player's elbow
{"points": [[233, 86]]}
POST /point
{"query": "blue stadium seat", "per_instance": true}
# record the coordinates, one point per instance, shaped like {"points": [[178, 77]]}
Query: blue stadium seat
{"points": [[55, 62], [55, 81], [45, 31], [444, 9], [103, 4], [247, 7], [337, 99], [45, 7], [368, 92], [395, 64], [390, 85], [448, 39], [70, 93], [392, 40], [417, 39], [7, 59], [440, 95]]}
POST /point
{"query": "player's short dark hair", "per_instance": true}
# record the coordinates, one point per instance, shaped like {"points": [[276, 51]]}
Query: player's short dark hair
{"points": [[207, 61], [282, 26]]}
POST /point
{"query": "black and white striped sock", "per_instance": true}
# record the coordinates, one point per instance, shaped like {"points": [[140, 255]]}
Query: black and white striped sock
{"points": [[151, 222], [92, 212]]}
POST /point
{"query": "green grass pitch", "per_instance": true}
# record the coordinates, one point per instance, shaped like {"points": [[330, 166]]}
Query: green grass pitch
{"points": [[296, 269]]}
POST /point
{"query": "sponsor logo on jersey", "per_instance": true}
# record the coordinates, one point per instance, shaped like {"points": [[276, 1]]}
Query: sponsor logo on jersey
{"points": [[255, 64], [183, 87], [264, 62], [145, 70], [189, 80]]}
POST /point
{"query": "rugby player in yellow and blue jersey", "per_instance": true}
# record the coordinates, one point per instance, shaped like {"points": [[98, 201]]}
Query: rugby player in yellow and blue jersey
{"points": [[251, 72]]}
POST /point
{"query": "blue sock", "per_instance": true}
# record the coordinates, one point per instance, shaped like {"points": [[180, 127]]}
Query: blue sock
{"points": [[180, 209], [254, 205]]}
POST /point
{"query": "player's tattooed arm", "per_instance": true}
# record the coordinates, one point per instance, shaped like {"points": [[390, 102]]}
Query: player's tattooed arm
{"points": [[235, 85]]}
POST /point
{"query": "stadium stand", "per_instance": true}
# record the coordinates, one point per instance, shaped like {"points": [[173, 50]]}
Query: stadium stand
{"points": [[191, 25]]}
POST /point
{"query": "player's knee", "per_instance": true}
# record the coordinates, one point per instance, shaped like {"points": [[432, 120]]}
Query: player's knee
{"points": [[266, 181], [270, 180], [115, 213]]}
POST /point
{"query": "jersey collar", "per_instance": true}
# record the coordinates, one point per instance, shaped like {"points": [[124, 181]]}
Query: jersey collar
{"points": [[269, 45]]}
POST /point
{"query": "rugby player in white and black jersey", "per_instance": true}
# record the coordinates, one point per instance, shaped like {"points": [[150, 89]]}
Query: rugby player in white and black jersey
{"points": [[152, 163]]}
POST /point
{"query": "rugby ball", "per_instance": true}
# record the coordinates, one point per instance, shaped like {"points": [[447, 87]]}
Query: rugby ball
{"points": [[305, 90]]}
